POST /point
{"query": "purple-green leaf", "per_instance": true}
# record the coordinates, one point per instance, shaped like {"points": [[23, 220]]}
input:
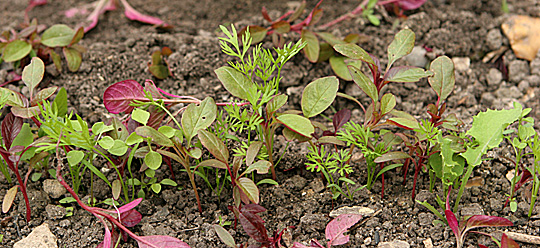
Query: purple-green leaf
{"points": [[365, 84], [402, 45], [249, 188], [214, 145], [312, 45], [338, 226], [353, 51], [160, 241], [225, 236], [118, 96], [16, 50], [443, 79]]}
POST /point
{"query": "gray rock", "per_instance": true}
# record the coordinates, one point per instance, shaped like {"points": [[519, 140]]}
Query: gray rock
{"points": [[518, 70], [417, 57], [494, 77], [296, 183], [523, 86], [494, 39], [394, 244], [313, 222], [364, 211], [487, 99], [53, 188], [317, 185], [472, 209], [51, 70], [40, 237], [425, 219], [512, 92], [534, 80], [461, 63], [55, 212]]}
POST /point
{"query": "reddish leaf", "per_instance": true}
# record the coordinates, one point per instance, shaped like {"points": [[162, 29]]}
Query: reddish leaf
{"points": [[11, 127], [335, 229], [253, 208], [135, 15], [451, 218], [118, 96], [107, 239], [507, 242], [265, 14], [160, 241], [476, 221], [482, 246], [410, 4], [340, 118], [254, 226], [131, 217]]}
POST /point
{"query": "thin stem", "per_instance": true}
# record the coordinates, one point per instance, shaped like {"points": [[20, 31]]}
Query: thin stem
{"points": [[344, 17]]}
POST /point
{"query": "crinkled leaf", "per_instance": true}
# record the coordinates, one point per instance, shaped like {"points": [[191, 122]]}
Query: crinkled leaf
{"points": [[298, 124], [406, 74], [443, 79], [198, 117], [153, 160], [353, 51], [249, 188], [16, 50], [9, 197], [235, 82], [224, 236], [158, 241], [365, 84], [390, 156], [58, 35], [73, 58], [33, 74], [337, 227], [11, 127], [312, 45], [118, 96], [157, 137], [318, 95], [402, 45], [214, 145]]}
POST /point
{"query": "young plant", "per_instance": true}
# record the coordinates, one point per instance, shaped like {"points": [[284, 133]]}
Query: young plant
{"points": [[159, 67], [335, 231], [20, 47]]}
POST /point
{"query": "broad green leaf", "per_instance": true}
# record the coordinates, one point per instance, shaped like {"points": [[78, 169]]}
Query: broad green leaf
{"points": [[406, 74], [403, 119], [73, 58], [9, 197], [61, 101], [214, 145], [133, 138], [168, 182], [257, 33], [156, 187], [339, 66], [312, 45], [140, 116], [252, 152], [168, 131], [157, 137], [58, 35], [330, 38], [390, 156], [298, 124], [318, 95], [74, 157], [276, 103], [57, 60], [195, 152], [443, 79], [365, 84], [235, 82], [292, 135], [224, 236], [33, 74], [388, 102], [281, 27], [198, 117], [116, 189], [249, 188], [119, 148], [24, 138], [487, 129], [402, 45], [14, 98], [353, 51], [153, 160], [330, 140], [260, 166], [100, 127], [106, 142], [213, 163], [16, 50]]}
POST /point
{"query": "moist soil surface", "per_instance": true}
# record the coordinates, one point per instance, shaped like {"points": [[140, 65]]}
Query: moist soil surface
{"points": [[119, 49]]}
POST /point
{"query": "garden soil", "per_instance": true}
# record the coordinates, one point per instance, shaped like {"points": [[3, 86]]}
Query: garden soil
{"points": [[119, 49]]}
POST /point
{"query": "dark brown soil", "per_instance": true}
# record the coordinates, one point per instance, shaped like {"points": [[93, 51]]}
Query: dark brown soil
{"points": [[120, 49]]}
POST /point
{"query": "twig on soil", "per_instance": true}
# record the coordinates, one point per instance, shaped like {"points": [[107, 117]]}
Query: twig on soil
{"points": [[190, 229], [373, 215]]}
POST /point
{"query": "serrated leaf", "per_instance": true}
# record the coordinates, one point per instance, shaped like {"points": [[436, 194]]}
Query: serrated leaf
{"points": [[353, 51], [406, 74], [153, 160], [235, 82], [157, 137], [337, 227], [214, 145], [298, 124], [443, 79], [33, 74], [402, 45], [58, 35], [318, 95], [312, 45], [199, 117], [249, 188], [16, 50], [388, 102], [74, 157], [9, 197], [365, 84]]}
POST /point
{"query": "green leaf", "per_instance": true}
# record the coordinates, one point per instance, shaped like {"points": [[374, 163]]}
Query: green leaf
{"points": [[16, 50], [74, 157], [292, 135], [252, 152], [153, 160], [58, 35], [119, 148], [353, 51], [159, 71], [99, 128], [250, 189], [281, 27], [157, 137], [214, 145], [43, 95], [260, 166], [97, 172], [387, 168], [61, 101], [156, 187], [106, 142], [235, 82], [168, 182], [257, 33], [33, 74], [224, 236], [388, 102], [267, 181], [133, 138], [330, 38], [318, 95], [373, 20], [73, 58], [339, 66], [213, 163], [298, 124], [403, 120], [116, 189], [365, 84], [443, 79], [25, 137], [198, 117], [77, 36], [390, 156], [487, 129], [168, 131], [140, 116], [276, 103], [406, 74], [57, 60], [402, 45], [312, 45]]}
